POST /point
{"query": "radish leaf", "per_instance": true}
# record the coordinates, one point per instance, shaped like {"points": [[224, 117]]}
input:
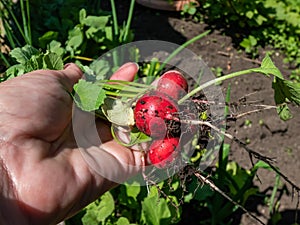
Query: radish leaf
{"points": [[118, 112], [268, 68], [88, 96], [22, 55]]}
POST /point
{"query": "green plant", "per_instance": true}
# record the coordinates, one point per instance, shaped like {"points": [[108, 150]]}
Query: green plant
{"points": [[256, 23], [226, 186], [90, 37]]}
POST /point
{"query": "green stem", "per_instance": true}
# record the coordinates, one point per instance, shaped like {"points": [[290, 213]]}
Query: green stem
{"points": [[116, 33], [16, 21], [4, 60], [128, 23], [78, 57], [273, 195], [115, 94], [25, 25], [122, 88], [9, 35], [124, 83], [115, 18], [28, 20], [180, 48], [214, 81]]}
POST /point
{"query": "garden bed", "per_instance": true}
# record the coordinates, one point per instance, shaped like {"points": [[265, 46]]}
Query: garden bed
{"points": [[264, 131]]}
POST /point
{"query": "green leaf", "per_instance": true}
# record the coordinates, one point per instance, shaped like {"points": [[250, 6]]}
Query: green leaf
{"points": [[75, 38], [15, 70], [137, 137], [55, 46], [82, 16], [291, 90], [96, 21], [99, 210], [261, 165], [95, 34], [34, 63], [101, 68], [128, 196], [156, 210], [47, 38], [22, 55], [284, 112], [133, 189], [122, 221], [53, 61], [118, 112], [88, 96], [283, 90], [268, 68]]}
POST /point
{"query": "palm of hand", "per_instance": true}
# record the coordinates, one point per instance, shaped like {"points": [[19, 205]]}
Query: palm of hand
{"points": [[45, 178]]}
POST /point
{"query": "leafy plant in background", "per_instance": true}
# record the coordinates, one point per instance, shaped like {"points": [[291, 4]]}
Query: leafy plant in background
{"points": [[91, 37], [162, 203], [257, 23]]}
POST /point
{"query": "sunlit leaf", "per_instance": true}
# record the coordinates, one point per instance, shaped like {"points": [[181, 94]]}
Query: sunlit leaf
{"points": [[268, 68], [99, 210], [156, 210], [22, 55], [88, 96], [53, 61]]}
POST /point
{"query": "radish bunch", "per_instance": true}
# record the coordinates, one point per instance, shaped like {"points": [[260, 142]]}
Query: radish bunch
{"points": [[157, 114]]}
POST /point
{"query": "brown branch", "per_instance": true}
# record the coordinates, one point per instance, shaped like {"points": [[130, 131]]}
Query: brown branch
{"points": [[215, 188]]}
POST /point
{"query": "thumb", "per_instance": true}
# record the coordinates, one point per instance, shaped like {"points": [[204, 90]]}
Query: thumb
{"points": [[73, 73]]}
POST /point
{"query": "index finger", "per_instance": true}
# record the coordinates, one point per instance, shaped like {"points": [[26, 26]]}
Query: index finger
{"points": [[126, 72]]}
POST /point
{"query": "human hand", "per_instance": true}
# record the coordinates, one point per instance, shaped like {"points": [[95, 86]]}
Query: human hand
{"points": [[45, 178]]}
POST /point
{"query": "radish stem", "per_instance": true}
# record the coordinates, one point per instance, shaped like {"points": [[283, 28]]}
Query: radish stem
{"points": [[214, 81]]}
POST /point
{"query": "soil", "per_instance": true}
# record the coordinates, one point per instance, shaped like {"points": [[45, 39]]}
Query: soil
{"points": [[266, 134], [263, 131]]}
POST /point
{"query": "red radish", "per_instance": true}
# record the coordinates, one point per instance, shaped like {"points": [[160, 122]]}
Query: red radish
{"points": [[153, 112], [163, 151], [173, 84]]}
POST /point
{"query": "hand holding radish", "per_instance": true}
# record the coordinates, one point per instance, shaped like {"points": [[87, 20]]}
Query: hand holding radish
{"points": [[44, 178]]}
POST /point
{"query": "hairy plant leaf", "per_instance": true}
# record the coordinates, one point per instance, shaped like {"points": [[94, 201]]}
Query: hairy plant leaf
{"points": [[290, 89], [156, 210], [283, 90], [122, 221], [75, 39], [22, 55], [47, 38], [99, 210], [96, 21], [34, 63], [55, 46], [268, 68], [53, 61], [284, 112], [118, 112], [15, 70], [88, 96], [101, 68]]}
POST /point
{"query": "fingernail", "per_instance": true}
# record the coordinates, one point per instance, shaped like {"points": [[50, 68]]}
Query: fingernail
{"points": [[129, 64], [67, 65]]}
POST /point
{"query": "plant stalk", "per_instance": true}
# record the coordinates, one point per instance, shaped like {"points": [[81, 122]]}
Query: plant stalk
{"points": [[115, 18], [180, 48], [214, 81], [128, 23], [25, 20]]}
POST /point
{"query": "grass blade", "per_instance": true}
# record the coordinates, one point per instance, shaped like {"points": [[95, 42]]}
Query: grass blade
{"points": [[15, 20], [128, 23]]}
